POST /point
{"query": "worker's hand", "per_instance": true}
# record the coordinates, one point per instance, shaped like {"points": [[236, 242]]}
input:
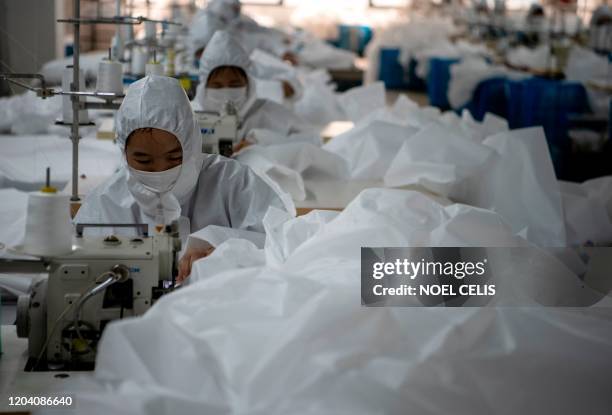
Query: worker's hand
{"points": [[190, 256], [291, 58], [288, 90], [242, 144]]}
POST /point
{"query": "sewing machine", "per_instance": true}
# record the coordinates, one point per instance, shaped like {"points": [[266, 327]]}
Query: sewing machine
{"points": [[219, 130], [100, 280]]}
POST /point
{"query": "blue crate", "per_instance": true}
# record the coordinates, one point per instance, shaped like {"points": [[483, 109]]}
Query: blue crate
{"points": [[354, 37], [437, 81], [490, 96], [538, 101], [390, 71]]}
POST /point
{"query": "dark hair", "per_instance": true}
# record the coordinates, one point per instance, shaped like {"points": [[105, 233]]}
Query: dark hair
{"points": [[233, 69]]}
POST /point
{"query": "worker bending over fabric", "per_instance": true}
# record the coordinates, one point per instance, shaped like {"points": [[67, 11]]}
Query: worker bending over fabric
{"points": [[165, 177], [251, 34]]}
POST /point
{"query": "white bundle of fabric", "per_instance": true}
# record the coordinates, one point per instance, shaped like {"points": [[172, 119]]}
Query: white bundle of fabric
{"points": [[28, 114], [409, 37], [584, 65], [282, 331], [319, 104], [477, 164], [24, 159], [289, 164], [465, 76], [587, 209], [88, 62], [538, 59]]}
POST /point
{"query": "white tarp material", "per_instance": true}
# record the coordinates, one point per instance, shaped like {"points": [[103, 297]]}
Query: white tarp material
{"points": [[289, 164], [24, 159], [318, 104], [282, 331], [508, 172], [358, 102], [588, 211]]}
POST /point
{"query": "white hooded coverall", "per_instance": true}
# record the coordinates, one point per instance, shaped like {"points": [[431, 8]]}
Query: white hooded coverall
{"points": [[210, 189], [224, 50]]}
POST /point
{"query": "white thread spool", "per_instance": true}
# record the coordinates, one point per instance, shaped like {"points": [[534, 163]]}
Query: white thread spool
{"points": [[48, 225], [150, 30], [127, 32], [155, 69], [139, 61], [66, 99], [110, 77]]}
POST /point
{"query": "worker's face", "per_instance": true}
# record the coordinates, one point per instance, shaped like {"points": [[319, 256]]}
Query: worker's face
{"points": [[227, 77], [153, 150]]}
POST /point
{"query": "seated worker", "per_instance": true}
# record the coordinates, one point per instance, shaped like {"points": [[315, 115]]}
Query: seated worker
{"points": [[251, 34], [201, 32], [166, 177], [225, 76]]}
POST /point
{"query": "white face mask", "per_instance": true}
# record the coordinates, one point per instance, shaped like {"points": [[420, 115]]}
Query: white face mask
{"points": [[157, 181], [216, 98]]}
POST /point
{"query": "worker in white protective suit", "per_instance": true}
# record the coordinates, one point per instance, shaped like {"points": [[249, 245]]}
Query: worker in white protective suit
{"points": [[165, 176], [251, 35], [600, 30], [225, 76], [270, 72]]}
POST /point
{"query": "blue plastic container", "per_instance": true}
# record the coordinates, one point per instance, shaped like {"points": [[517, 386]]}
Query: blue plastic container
{"points": [[490, 96], [546, 102], [390, 71], [437, 81], [354, 37]]}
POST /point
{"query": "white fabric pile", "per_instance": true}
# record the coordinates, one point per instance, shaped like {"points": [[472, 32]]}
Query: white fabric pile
{"points": [[444, 49], [465, 76], [27, 114], [52, 70], [24, 159], [537, 59], [281, 330], [509, 172], [410, 37], [584, 65]]}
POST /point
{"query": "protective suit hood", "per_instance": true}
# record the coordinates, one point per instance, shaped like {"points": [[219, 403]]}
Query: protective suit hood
{"points": [[224, 50], [201, 31], [226, 10], [160, 102]]}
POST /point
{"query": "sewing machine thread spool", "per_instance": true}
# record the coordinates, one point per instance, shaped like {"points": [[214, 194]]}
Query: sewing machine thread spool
{"points": [[139, 60], [110, 77], [150, 30], [48, 225], [66, 99]]}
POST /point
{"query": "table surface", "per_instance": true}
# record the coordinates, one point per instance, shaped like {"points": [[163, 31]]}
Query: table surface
{"points": [[15, 382]]}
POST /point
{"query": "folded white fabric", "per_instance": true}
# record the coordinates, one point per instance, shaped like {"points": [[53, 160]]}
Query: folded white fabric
{"points": [[587, 213], [286, 333]]}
